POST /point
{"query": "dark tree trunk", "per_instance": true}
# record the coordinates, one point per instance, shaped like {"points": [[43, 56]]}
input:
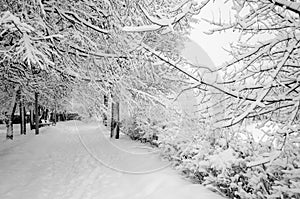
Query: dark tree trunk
{"points": [[64, 116], [24, 118], [36, 95], [115, 123], [31, 118], [47, 115], [10, 114], [105, 118], [117, 118], [112, 122], [21, 117], [55, 115]]}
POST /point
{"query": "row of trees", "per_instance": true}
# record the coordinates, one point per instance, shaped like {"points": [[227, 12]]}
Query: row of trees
{"points": [[96, 47], [87, 49]]}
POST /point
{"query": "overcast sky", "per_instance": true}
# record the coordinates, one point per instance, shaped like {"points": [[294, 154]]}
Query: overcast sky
{"points": [[214, 44]]}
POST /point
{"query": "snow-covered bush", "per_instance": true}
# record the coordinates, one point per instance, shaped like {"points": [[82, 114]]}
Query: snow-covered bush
{"points": [[232, 164], [145, 123], [247, 170]]}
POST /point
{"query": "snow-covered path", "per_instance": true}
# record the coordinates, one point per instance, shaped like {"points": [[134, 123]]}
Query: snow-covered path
{"points": [[76, 160]]}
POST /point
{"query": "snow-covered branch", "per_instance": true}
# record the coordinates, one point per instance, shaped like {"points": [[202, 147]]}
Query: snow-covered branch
{"points": [[73, 17], [287, 4], [182, 11], [262, 75]]}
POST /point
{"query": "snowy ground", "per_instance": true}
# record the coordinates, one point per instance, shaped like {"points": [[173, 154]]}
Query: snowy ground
{"points": [[74, 160]]}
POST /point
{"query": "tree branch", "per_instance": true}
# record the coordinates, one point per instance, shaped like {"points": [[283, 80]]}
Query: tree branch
{"points": [[291, 6]]}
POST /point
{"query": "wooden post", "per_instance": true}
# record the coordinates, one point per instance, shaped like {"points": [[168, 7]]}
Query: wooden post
{"points": [[36, 95]]}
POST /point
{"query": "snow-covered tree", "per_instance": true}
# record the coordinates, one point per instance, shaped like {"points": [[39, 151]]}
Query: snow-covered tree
{"points": [[261, 83], [262, 79], [103, 44]]}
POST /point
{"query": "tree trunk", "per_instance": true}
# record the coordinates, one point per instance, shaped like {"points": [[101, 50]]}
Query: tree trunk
{"points": [[31, 118], [64, 116], [47, 115], [21, 117], [112, 122], [55, 115], [105, 118], [55, 112], [115, 120], [36, 95], [10, 114], [24, 118]]}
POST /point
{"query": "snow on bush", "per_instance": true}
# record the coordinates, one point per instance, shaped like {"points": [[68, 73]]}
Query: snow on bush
{"points": [[234, 163]]}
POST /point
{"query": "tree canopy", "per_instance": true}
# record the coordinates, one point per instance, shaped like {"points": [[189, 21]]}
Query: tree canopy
{"points": [[96, 43]]}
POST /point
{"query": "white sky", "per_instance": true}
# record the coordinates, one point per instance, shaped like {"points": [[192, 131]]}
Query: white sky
{"points": [[214, 44]]}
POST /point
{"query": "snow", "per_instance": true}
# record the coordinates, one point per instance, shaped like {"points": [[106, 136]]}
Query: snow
{"points": [[79, 160], [143, 28], [261, 132], [294, 6]]}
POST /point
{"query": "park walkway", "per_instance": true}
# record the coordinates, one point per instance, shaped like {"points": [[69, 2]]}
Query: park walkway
{"points": [[76, 160]]}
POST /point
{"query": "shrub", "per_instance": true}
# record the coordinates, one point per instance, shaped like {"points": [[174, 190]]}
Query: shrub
{"points": [[235, 167]]}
